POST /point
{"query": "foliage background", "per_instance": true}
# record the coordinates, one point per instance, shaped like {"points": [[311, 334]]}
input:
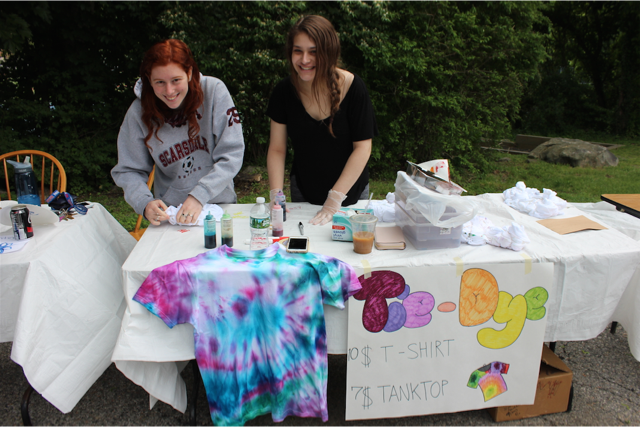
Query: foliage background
{"points": [[442, 75]]}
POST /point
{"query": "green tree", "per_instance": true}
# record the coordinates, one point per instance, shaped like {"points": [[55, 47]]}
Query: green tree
{"points": [[66, 90], [591, 81], [445, 74], [15, 29], [441, 75]]}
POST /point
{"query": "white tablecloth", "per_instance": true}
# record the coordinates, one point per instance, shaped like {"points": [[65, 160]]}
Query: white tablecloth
{"points": [[61, 303], [593, 270]]}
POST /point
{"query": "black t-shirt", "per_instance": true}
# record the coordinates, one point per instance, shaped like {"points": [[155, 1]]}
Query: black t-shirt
{"points": [[319, 158]]}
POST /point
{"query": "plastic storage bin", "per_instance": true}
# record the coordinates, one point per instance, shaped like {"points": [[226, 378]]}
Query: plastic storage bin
{"points": [[424, 235]]}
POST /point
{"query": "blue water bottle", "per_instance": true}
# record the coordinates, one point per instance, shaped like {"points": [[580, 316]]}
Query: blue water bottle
{"points": [[26, 184]]}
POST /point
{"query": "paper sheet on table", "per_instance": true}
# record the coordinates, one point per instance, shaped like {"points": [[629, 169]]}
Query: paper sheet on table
{"points": [[9, 244], [571, 225]]}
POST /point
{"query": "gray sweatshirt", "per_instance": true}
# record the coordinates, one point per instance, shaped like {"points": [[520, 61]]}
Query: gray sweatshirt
{"points": [[203, 167]]}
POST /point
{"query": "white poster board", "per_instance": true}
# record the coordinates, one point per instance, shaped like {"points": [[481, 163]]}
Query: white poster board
{"points": [[428, 340]]}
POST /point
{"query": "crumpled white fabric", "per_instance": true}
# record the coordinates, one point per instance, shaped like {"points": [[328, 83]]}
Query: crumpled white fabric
{"points": [[480, 231], [385, 210], [530, 201], [216, 212]]}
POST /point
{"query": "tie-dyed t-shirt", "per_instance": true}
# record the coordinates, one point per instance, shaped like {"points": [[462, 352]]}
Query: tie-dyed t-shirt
{"points": [[490, 379], [259, 330]]}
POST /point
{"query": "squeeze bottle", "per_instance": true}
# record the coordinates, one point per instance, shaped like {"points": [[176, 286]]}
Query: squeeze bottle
{"points": [[281, 200], [209, 231], [226, 228], [277, 223]]}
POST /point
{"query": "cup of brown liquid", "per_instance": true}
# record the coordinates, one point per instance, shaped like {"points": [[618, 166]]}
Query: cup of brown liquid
{"points": [[362, 228]]}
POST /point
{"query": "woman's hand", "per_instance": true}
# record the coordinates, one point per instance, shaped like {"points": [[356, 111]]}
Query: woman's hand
{"points": [[331, 206], [155, 212], [189, 212]]}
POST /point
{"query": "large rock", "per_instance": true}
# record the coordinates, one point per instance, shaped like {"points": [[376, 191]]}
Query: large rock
{"points": [[574, 152]]}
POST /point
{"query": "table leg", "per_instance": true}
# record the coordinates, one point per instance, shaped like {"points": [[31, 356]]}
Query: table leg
{"points": [[614, 326], [24, 406], [552, 346], [193, 400]]}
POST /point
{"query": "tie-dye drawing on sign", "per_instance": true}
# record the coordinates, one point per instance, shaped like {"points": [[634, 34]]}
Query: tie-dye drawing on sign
{"points": [[490, 379]]}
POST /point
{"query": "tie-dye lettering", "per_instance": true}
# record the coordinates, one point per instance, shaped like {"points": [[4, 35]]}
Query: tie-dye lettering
{"points": [[259, 330]]}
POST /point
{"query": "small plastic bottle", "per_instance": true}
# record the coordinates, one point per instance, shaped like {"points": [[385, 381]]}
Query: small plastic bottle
{"points": [[259, 223], [226, 228], [281, 200], [210, 232], [277, 224]]}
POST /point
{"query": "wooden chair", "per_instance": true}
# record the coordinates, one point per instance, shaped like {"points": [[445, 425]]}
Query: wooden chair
{"points": [[138, 232], [52, 177], [50, 171]]}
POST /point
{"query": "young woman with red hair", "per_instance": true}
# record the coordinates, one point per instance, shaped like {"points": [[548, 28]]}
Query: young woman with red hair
{"points": [[328, 115], [187, 126]]}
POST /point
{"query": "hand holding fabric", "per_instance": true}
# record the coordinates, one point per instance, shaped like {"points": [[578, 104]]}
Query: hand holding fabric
{"points": [[189, 212], [330, 207], [155, 212]]}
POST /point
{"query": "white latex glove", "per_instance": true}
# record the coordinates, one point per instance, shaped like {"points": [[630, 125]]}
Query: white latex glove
{"points": [[330, 207]]}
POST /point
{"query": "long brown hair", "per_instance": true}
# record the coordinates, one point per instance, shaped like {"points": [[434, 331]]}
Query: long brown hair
{"points": [[154, 111], [322, 33]]}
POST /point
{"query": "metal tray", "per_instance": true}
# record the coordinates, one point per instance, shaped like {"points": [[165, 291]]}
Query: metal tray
{"points": [[433, 182]]}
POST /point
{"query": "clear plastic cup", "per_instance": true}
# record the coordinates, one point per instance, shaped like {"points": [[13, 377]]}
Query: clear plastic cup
{"points": [[362, 229]]}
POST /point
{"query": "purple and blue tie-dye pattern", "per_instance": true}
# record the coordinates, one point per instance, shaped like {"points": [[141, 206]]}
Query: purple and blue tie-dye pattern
{"points": [[259, 330]]}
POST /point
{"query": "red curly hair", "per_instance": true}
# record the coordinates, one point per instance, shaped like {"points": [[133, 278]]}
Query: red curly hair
{"points": [[154, 111]]}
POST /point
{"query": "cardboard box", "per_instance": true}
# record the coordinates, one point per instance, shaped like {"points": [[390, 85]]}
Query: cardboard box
{"points": [[554, 393], [341, 227]]}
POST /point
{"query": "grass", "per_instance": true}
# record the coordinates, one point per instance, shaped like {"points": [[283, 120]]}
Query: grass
{"points": [[580, 185], [572, 184]]}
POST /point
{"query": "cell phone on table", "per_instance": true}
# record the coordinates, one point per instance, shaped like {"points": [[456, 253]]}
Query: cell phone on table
{"points": [[298, 245]]}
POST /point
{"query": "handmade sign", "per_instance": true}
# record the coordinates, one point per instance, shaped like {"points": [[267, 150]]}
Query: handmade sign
{"points": [[429, 340]]}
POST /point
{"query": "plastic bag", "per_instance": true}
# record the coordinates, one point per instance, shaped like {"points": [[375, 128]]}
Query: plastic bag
{"points": [[432, 205]]}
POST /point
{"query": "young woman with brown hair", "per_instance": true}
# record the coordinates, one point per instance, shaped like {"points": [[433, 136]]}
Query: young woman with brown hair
{"points": [[187, 126], [328, 115]]}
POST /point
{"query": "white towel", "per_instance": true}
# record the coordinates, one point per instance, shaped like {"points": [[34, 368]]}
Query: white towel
{"points": [[480, 231], [215, 210], [531, 201]]}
